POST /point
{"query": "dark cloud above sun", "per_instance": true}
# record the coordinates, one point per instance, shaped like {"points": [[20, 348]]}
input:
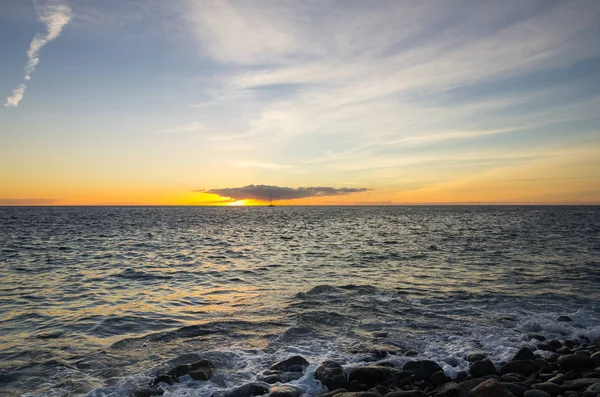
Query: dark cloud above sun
{"points": [[268, 192]]}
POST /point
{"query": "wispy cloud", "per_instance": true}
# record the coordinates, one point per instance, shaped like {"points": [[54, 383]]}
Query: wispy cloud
{"points": [[55, 15], [266, 192], [28, 201]]}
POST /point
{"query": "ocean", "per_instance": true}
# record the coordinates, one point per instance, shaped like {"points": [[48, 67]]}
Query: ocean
{"points": [[97, 301]]}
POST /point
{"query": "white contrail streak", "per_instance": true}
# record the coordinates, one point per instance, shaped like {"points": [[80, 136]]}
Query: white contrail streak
{"points": [[55, 15]]}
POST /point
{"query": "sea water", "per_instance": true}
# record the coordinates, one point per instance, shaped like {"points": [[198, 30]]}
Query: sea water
{"points": [[98, 300]]}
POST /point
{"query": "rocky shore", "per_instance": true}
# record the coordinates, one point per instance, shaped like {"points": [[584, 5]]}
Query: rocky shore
{"points": [[568, 368]]}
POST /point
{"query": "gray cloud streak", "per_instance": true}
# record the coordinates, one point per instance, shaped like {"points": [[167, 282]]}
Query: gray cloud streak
{"points": [[265, 192], [55, 15]]}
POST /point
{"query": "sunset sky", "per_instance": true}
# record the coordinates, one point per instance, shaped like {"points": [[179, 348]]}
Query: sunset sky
{"points": [[324, 102]]}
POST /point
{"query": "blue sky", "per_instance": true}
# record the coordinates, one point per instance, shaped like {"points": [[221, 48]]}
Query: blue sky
{"points": [[417, 101]]}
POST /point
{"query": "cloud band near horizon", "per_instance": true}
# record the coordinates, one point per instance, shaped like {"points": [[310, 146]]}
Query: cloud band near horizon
{"points": [[267, 192]]}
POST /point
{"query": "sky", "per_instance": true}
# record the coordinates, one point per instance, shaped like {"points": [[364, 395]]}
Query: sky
{"points": [[148, 102]]}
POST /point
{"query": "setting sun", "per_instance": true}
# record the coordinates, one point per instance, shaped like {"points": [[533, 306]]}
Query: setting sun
{"points": [[238, 203]]}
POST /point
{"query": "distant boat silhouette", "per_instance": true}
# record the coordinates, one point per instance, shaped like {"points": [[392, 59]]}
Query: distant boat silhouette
{"points": [[271, 201]]}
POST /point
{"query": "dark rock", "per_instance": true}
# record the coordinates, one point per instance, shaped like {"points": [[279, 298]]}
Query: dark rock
{"points": [[270, 379], [370, 375], [545, 377], [422, 384], [525, 367], [563, 350], [449, 389], [149, 392], [379, 390], [250, 389], [572, 393], [592, 374], [411, 353], [289, 391], [490, 388], [164, 379], [476, 357], [359, 394], [381, 334], [575, 361], [423, 369], [461, 376], [332, 375], [545, 347], [482, 368], [579, 384], [513, 378], [515, 389], [468, 385], [584, 352], [536, 393], [552, 357], [540, 363], [409, 393], [559, 379], [292, 364], [355, 386], [556, 344], [595, 389], [570, 344], [564, 318], [332, 393], [538, 337], [551, 388], [439, 378], [524, 353], [179, 370]]}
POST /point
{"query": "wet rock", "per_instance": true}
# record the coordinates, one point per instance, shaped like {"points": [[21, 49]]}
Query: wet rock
{"points": [[515, 389], [164, 379], [288, 391], [564, 319], [524, 353], [575, 361], [563, 350], [292, 364], [359, 394], [584, 352], [513, 377], [540, 363], [408, 393], [490, 388], [332, 393], [553, 357], [476, 357], [179, 370], [461, 376], [592, 374], [525, 367], [370, 375], [355, 386], [593, 389], [450, 389], [201, 370], [468, 385], [381, 334], [439, 378], [545, 347], [535, 336], [482, 368], [149, 392], [579, 384], [536, 393], [250, 389], [423, 369], [379, 390], [555, 344], [559, 379], [411, 353], [331, 375], [551, 388]]}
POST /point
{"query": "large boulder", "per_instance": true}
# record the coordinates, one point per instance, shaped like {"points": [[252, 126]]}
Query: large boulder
{"points": [[575, 361], [490, 388], [551, 388], [525, 367], [482, 368], [524, 354], [370, 375], [423, 369], [536, 393], [332, 375], [292, 364]]}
